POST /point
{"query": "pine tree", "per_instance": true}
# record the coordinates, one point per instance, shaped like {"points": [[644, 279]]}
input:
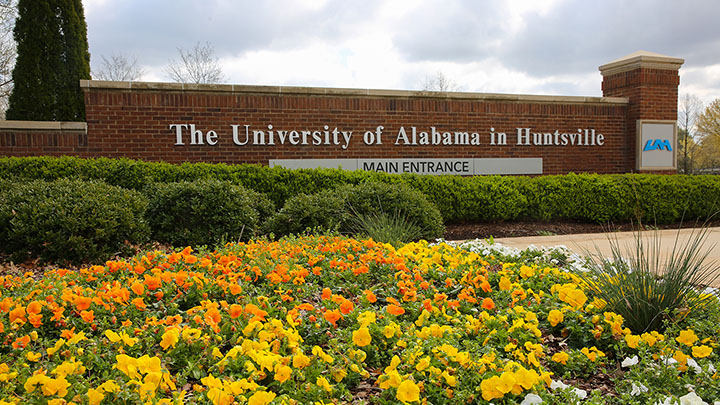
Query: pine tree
{"points": [[53, 56]]}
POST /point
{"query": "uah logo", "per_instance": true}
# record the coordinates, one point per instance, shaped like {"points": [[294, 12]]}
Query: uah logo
{"points": [[655, 144]]}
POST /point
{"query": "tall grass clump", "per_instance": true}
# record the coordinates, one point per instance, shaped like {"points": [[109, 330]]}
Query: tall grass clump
{"points": [[393, 228], [649, 284]]}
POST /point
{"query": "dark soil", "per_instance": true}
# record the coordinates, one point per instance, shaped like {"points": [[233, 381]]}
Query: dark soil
{"points": [[515, 229]]}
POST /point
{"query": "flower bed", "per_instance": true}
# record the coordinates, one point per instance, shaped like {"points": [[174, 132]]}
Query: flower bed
{"points": [[335, 320]]}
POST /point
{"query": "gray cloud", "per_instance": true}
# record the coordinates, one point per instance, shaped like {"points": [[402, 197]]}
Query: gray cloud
{"points": [[574, 37]]}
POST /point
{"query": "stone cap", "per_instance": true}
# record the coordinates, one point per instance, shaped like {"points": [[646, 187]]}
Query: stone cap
{"points": [[62, 126], [342, 92], [641, 59]]}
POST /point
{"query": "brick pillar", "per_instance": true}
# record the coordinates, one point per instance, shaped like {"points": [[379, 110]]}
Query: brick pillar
{"points": [[650, 82]]}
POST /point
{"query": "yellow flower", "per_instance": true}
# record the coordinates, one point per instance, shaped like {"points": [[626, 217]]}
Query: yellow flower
{"points": [[555, 317], [451, 380], [408, 391], [361, 337], [389, 330], [58, 345], [301, 361], [632, 341], [505, 283], [55, 386], [109, 386], [123, 336], [95, 396], [560, 357], [701, 351], [323, 383], [32, 356], [282, 373], [261, 398], [687, 337], [128, 365], [526, 272], [526, 378], [170, 338], [490, 389], [506, 382], [423, 364], [366, 318]]}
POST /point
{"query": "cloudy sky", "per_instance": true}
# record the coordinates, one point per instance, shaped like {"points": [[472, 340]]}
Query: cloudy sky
{"points": [[503, 46]]}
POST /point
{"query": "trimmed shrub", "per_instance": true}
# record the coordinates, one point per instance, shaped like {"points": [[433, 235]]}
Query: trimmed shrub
{"points": [[70, 221], [205, 212], [580, 197], [337, 209]]}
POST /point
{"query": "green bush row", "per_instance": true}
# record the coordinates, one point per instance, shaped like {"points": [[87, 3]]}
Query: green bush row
{"points": [[72, 220], [582, 197]]}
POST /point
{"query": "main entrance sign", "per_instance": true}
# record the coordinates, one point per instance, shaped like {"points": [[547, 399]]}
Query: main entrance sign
{"points": [[378, 130]]}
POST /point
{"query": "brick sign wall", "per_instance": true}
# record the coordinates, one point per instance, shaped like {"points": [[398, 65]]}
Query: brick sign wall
{"points": [[429, 132]]}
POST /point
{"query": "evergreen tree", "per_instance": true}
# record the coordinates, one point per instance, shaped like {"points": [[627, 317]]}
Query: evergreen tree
{"points": [[53, 56]]}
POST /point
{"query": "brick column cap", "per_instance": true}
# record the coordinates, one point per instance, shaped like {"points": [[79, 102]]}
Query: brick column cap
{"points": [[641, 59]]}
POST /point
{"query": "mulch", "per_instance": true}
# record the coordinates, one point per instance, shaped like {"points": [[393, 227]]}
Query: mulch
{"points": [[520, 228]]}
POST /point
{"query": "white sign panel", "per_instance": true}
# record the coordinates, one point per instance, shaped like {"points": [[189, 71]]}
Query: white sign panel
{"points": [[436, 166], [657, 141]]}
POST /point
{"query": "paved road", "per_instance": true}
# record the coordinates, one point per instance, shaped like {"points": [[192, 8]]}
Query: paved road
{"points": [[593, 241]]}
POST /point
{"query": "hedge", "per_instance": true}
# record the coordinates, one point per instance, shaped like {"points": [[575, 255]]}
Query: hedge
{"points": [[70, 220], [205, 212], [581, 197]]}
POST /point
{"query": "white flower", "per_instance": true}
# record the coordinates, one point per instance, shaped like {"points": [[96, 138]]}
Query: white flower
{"points": [[630, 361], [711, 370], [531, 399], [691, 399], [582, 394], [692, 363], [669, 361], [666, 402], [558, 384], [638, 389]]}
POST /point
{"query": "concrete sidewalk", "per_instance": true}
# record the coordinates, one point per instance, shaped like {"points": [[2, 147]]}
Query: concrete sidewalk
{"points": [[592, 242]]}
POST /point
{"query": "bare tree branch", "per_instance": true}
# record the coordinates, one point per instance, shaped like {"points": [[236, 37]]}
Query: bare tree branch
{"points": [[197, 65], [8, 13], [119, 68], [440, 82], [689, 110]]}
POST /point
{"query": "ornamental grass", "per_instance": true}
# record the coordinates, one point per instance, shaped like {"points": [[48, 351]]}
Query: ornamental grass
{"points": [[320, 320], [650, 284]]}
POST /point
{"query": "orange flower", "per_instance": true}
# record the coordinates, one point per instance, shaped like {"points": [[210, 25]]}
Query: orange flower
{"points": [[326, 293], [18, 314], [34, 307], [212, 316], [87, 316], [35, 320], [82, 303], [370, 296], [152, 282], [139, 303], [395, 309], [235, 311], [138, 288], [67, 333], [332, 316], [488, 303], [346, 307], [21, 342]]}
